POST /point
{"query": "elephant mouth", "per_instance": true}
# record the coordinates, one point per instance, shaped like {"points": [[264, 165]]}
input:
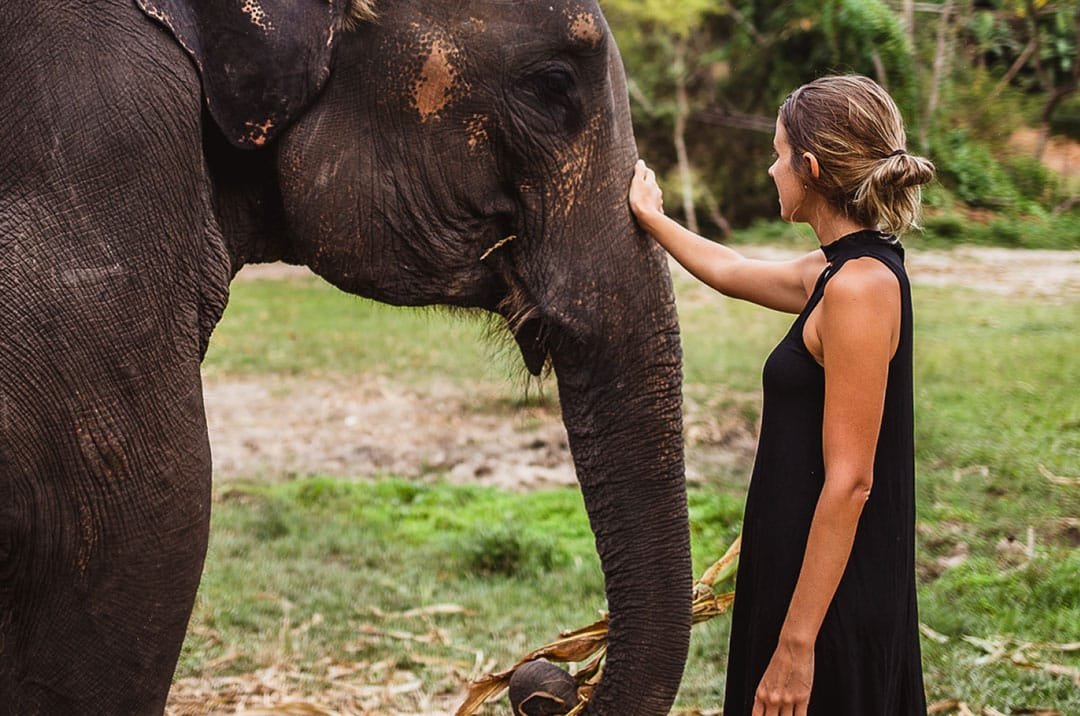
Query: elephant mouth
{"points": [[527, 325], [530, 337]]}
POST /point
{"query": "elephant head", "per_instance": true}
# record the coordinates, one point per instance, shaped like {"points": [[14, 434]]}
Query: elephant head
{"points": [[476, 153]]}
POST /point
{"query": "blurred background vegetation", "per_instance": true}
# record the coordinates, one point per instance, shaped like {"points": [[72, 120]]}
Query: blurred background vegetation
{"points": [[988, 89]]}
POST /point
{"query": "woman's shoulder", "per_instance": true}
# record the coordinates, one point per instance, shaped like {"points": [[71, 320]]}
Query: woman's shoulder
{"points": [[865, 280]]}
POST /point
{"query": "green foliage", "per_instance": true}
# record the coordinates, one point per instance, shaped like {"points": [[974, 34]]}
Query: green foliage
{"points": [[1031, 179], [678, 18], [944, 226], [1036, 230], [973, 173], [860, 30], [743, 57], [1066, 121]]}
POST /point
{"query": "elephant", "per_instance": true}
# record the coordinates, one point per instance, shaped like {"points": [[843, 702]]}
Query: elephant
{"points": [[466, 153]]}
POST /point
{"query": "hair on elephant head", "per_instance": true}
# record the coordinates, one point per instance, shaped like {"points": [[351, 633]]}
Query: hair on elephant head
{"points": [[470, 153]]}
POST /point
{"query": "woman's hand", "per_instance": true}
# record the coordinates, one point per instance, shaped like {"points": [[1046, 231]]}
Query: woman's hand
{"points": [[646, 198], [785, 688]]}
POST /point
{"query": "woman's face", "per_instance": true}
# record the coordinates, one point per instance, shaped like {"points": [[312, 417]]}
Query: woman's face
{"points": [[788, 184]]}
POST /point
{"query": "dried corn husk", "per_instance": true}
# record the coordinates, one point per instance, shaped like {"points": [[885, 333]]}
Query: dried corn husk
{"points": [[590, 642]]}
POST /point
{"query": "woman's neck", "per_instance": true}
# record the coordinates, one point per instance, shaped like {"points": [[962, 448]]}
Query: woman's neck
{"points": [[830, 224]]}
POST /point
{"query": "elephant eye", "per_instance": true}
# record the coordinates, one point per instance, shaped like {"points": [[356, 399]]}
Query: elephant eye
{"points": [[553, 93], [553, 83]]}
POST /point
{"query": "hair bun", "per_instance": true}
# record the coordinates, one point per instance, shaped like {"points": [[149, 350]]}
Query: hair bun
{"points": [[907, 170]]}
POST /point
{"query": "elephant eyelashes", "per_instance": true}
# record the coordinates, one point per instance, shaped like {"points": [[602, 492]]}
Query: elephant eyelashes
{"points": [[554, 94]]}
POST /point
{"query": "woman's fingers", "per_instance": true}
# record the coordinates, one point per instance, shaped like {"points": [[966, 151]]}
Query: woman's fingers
{"points": [[641, 172], [645, 194]]}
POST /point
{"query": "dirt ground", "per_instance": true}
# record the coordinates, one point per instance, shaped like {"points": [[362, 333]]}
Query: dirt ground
{"points": [[281, 428]]}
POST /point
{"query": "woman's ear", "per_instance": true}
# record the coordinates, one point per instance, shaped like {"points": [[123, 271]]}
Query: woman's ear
{"points": [[260, 62], [812, 165]]}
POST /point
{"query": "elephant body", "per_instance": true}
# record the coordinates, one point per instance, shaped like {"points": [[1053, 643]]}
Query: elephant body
{"points": [[151, 148]]}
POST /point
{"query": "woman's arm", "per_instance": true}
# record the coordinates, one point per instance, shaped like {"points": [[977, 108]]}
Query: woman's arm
{"points": [[780, 285], [858, 326]]}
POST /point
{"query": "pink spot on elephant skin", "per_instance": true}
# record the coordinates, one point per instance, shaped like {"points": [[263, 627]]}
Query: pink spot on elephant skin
{"points": [[438, 81], [476, 129], [585, 27], [254, 10], [258, 133]]}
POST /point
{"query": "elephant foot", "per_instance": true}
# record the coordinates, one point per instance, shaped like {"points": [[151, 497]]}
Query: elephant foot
{"points": [[540, 688]]}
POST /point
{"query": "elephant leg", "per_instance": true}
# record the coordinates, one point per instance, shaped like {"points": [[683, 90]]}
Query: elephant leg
{"points": [[105, 487], [102, 575], [104, 560]]}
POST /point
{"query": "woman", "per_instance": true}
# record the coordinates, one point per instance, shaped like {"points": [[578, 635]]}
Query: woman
{"points": [[825, 619]]}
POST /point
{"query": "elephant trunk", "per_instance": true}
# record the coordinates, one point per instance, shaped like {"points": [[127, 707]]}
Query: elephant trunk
{"points": [[625, 433], [620, 387]]}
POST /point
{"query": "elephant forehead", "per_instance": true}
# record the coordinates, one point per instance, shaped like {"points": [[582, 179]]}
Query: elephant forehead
{"points": [[439, 81]]}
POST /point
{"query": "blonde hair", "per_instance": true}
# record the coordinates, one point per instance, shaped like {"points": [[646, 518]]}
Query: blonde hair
{"points": [[854, 129]]}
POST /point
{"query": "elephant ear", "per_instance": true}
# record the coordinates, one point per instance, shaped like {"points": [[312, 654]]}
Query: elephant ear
{"points": [[261, 61]]}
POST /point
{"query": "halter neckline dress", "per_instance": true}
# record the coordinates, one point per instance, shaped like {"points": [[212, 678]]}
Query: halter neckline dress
{"points": [[866, 659]]}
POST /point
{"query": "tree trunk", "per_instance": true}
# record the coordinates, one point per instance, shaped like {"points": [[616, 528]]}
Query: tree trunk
{"points": [[879, 70], [717, 216], [1058, 94], [908, 18], [682, 113], [940, 63], [1056, 98], [1013, 70]]}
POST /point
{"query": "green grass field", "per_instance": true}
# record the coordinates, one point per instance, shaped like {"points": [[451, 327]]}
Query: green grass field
{"points": [[321, 571]]}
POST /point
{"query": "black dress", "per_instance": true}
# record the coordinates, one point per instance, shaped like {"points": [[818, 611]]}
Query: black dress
{"points": [[866, 659]]}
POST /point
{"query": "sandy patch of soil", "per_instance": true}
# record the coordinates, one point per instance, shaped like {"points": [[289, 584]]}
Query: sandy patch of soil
{"points": [[282, 428]]}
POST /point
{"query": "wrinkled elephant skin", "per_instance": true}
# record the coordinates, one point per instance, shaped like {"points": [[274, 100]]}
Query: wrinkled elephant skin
{"points": [[472, 153]]}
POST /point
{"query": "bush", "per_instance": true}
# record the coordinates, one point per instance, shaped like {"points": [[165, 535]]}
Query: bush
{"points": [[971, 171], [1031, 179], [508, 551], [946, 225]]}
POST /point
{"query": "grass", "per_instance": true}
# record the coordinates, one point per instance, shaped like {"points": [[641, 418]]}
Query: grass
{"points": [[306, 570], [303, 327]]}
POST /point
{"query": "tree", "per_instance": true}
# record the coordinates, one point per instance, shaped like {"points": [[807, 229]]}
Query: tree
{"points": [[708, 77], [674, 27]]}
